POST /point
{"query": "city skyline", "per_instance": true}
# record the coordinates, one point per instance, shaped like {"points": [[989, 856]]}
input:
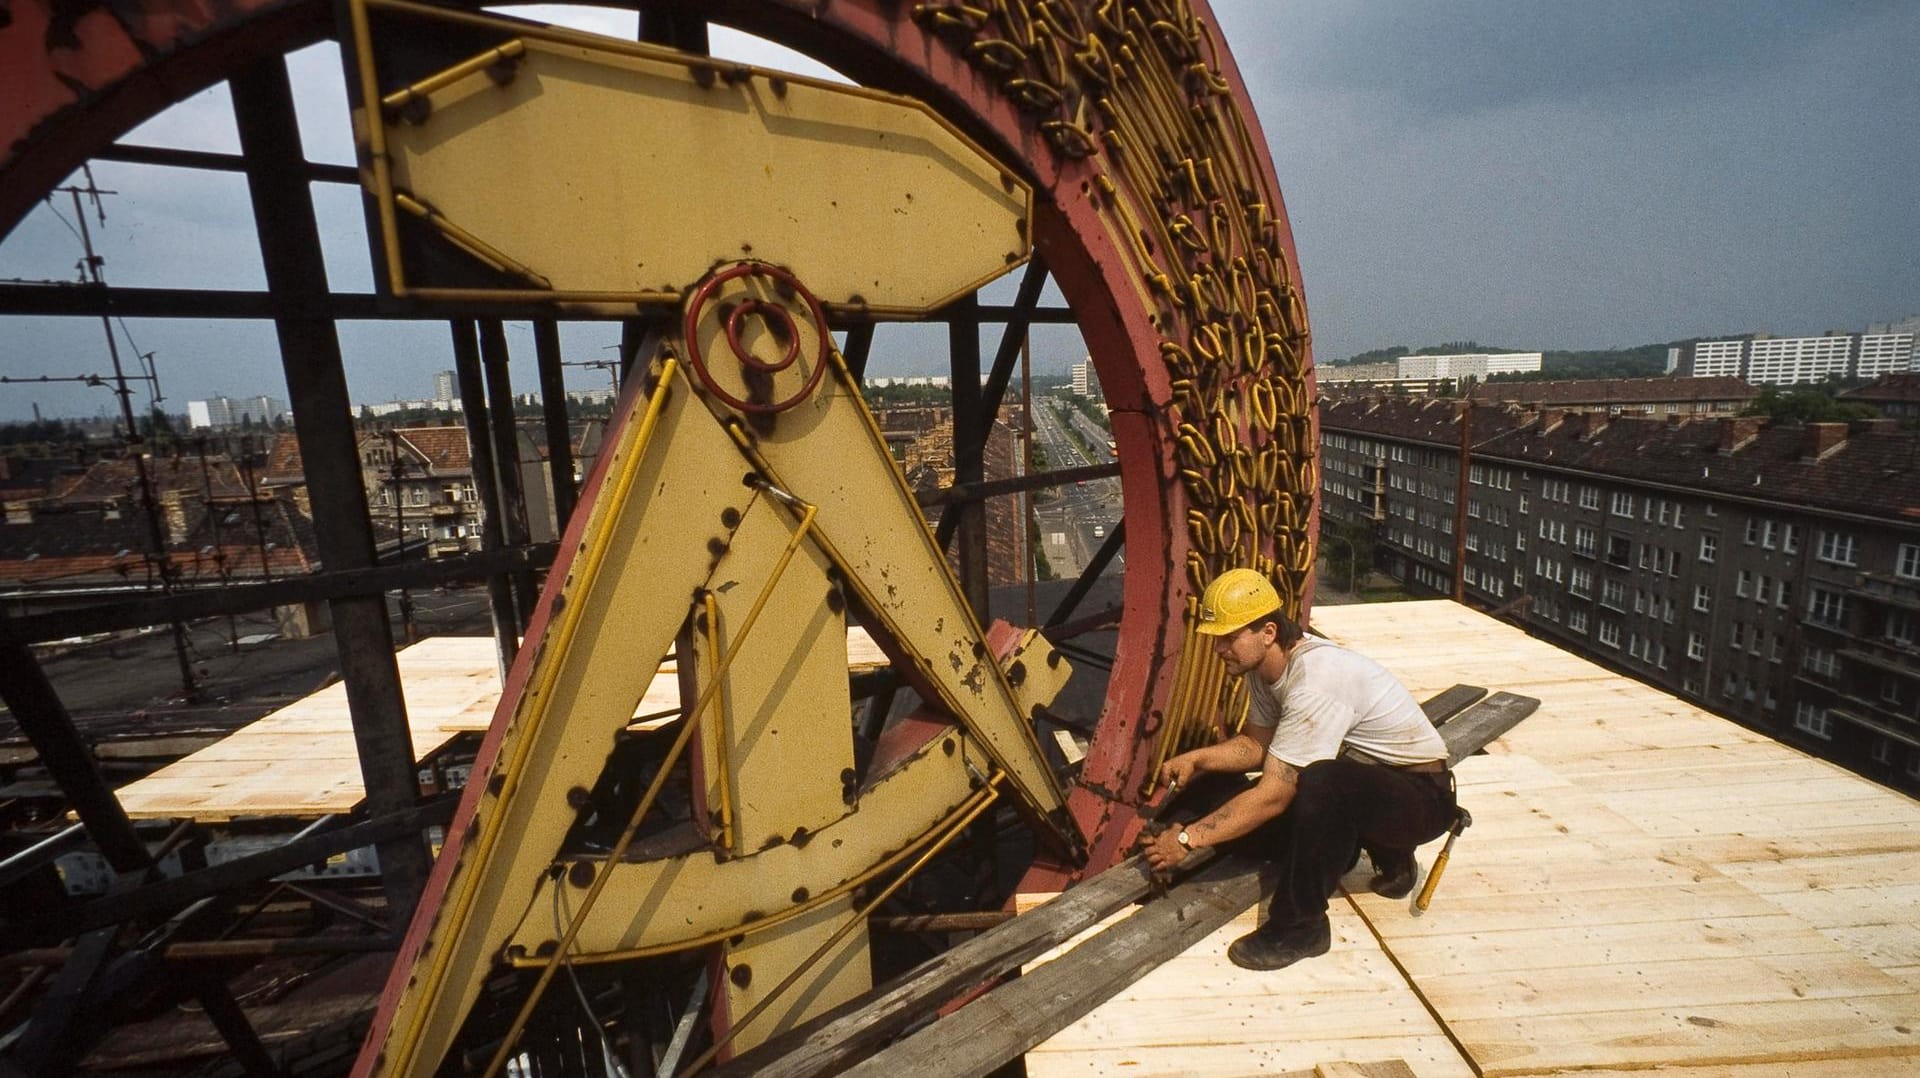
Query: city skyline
{"points": [[1525, 177]]}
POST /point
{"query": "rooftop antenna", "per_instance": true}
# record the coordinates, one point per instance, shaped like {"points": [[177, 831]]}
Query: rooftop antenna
{"points": [[89, 267]]}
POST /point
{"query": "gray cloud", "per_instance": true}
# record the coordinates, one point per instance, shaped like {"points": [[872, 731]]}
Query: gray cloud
{"points": [[1540, 175]]}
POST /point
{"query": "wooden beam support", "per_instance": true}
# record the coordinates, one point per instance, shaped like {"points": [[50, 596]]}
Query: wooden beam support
{"points": [[986, 1033]]}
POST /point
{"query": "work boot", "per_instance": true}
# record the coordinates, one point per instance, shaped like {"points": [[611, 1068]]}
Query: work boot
{"points": [[1267, 948], [1393, 875]]}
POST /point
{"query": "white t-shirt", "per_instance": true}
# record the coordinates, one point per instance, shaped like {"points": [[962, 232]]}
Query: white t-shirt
{"points": [[1329, 697]]}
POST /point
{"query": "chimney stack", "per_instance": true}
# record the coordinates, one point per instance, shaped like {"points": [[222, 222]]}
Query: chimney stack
{"points": [[1821, 439], [1551, 418], [1737, 431]]}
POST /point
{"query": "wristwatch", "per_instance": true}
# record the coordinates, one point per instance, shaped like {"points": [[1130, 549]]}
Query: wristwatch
{"points": [[1185, 843]]}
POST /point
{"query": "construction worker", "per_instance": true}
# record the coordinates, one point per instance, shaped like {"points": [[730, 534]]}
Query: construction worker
{"points": [[1313, 806]]}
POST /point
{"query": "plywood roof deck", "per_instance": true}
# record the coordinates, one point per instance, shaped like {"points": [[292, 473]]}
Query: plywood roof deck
{"points": [[1646, 886], [301, 760]]}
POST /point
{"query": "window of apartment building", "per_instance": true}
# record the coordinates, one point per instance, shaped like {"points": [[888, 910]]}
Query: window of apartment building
{"points": [[1519, 576], [1696, 646], [1477, 475], [1639, 601], [1826, 606], [1473, 509], [1769, 534], [1893, 692], [1589, 497], [1837, 548], [1622, 504], [1753, 531], [1709, 546], [1523, 503], [1882, 750], [1907, 562], [1813, 720], [1585, 540], [1776, 647], [1820, 662], [1610, 633], [1613, 593], [1582, 584], [1702, 598], [1472, 542], [1790, 539], [1743, 584], [1899, 626], [1500, 478], [1577, 620], [417, 496], [1619, 551], [1666, 610], [1471, 575], [1520, 541], [1737, 635]]}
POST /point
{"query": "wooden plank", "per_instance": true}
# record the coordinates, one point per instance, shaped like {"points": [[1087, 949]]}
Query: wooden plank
{"points": [[1485, 721], [1431, 1057], [1557, 947], [981, 1036], [1733, 1033], [1445, 705], [1707, 982], [827, 1044]]}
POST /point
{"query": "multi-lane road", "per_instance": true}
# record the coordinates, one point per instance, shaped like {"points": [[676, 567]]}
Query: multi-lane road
{"points": [[1075, 519]]}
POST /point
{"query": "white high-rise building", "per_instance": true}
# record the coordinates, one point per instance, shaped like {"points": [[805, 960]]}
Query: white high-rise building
{"points": [[217, 413], [1467, 364], [444, 387], [1792, 360], [1083, 378]]}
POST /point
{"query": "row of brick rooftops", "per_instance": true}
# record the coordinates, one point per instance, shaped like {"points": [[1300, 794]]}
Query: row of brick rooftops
{"points": [[1868, 466]]}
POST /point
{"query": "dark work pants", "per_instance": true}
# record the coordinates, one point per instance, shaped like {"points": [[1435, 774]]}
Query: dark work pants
{"points": [[1338, 807]]}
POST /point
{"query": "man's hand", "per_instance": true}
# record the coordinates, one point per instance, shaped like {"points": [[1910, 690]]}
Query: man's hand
{"points": [[1180, 770], [1163, 851]]}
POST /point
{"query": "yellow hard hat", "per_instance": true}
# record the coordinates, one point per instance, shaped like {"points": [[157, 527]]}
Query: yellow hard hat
{"points": [[1235, 598]]}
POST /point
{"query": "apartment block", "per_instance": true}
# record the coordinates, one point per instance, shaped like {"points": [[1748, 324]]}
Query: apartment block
{"points": [[1771, 573], [1765, 360]]}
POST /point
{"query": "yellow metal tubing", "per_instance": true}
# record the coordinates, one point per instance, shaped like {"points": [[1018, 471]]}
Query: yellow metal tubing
{"points": [[376, 132], [453, 74], [568, 625], [619, 848], [468, 242], [966, 815]]}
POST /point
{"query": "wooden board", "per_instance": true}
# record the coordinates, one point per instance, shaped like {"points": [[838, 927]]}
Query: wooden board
{"points": [[1646, 886], [301, 760]]}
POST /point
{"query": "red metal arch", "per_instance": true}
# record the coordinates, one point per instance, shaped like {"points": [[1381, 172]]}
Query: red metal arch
{"points": [[72, 80]]}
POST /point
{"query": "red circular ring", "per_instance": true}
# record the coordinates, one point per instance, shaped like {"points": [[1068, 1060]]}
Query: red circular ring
{"points": [[758, 306], [691, 322]]}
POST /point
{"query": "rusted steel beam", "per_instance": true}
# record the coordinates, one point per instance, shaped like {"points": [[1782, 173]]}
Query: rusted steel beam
{"points": [[1035, 481], [1095, 566], [37, 708], [161, 896], [553, 404], [473, 405], [136, 609], [323, 422], [512, 499]]}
